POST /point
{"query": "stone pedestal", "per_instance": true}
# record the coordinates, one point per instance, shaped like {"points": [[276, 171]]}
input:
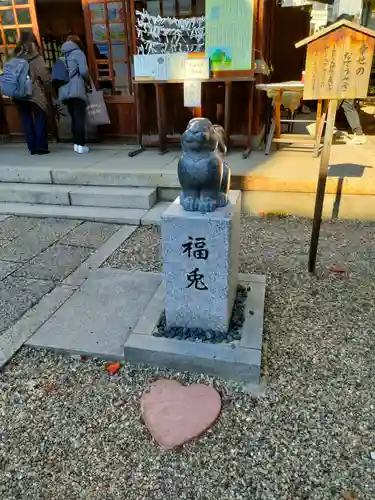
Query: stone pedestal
{"points": [[201, 258]]}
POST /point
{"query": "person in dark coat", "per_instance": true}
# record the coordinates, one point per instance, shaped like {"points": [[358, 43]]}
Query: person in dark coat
{"points": [[33, 110], [73, 94]]}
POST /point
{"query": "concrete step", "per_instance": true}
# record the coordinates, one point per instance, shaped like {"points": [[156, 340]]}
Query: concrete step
{"points": [[90, 196], [89, 176], [132, 216]]}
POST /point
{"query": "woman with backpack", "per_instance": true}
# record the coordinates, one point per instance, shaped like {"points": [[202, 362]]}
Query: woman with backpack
{"points": [[34, 107], [73, 93]]}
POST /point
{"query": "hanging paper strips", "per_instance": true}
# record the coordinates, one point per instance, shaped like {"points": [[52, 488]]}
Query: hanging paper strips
{"points": [[162, 35]]}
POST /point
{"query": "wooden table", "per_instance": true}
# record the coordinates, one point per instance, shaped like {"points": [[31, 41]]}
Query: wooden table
{"points": [[275, 135], [161, 110]]}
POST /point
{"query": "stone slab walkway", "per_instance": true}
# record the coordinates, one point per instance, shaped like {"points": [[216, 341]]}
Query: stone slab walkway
{"points": [[36, 256], [98, 318]]}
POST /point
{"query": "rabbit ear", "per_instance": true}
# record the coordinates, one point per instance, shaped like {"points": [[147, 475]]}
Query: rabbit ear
{"points": [[220, 132]]}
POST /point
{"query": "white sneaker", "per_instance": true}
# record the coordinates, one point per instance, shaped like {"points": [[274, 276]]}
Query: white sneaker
{"points": [[359, 139], [83, 149], [75, 148]]}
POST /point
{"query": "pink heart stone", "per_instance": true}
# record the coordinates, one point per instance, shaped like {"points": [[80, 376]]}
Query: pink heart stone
{"points": [[175, 414]]}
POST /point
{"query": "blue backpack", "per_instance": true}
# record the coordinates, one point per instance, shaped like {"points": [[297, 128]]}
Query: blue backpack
{"points": [[15, 80], [60, 73]]}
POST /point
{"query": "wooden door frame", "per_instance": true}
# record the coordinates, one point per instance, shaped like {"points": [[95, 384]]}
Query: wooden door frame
{"points": [[125, 98]]}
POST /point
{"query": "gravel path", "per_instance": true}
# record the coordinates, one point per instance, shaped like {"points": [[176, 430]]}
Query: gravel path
{"points": [[68, 430]]}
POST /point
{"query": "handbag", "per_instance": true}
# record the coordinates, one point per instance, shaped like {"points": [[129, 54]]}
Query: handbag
{"points": [[96, 109]]}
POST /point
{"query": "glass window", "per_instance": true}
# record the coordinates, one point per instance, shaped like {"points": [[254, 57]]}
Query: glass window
{"points": [[109, 37], [118, 51], [13, 15], [169, 8], [97, 12], [185, 8], [10, 36], [115, 12], [23, 16], [117, 32], [153, 7], [121, 74], [99, 32], [7, 17]]}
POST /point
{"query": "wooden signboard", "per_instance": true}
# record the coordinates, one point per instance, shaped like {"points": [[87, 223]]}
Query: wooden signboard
{"points": [[338, 67], [338, 63]]}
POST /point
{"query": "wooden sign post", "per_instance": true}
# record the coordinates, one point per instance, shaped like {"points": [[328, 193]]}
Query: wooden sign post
{"points": [[338, 67]]}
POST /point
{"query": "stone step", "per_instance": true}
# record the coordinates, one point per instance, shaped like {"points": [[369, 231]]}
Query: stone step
{"points": [[89, 176], [131, 216], [90, 196]]}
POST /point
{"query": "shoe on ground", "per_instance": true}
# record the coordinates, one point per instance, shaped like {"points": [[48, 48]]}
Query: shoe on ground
{"points": [[82, 149], [75, 148], [311, 129], [359, 139]]}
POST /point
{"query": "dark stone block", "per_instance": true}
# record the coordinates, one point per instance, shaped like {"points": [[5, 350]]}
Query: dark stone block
{"points": [[195, 334]]}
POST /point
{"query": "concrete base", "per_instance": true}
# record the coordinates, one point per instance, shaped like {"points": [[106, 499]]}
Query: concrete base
{"points": [[239, 361], [113, 314]]}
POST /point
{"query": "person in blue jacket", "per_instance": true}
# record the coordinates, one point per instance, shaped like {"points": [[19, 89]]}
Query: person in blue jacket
{"points": [[73, 94]]}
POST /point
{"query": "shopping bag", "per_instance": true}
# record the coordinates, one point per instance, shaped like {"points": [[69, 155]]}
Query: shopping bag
{"points": [[96, 109]]}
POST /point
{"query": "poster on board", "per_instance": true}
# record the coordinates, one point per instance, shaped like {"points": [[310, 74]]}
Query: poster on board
{"points": [[192, 93], [229, 34]]}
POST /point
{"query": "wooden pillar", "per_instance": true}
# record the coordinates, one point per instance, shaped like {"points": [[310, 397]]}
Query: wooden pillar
{"points": [[260, 45]]}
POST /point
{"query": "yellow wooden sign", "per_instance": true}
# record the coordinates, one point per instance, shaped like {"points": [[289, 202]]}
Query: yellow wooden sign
{"points": [[339, 61]]}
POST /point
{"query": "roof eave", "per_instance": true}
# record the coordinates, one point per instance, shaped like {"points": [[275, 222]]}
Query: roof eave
{"points": [[333, 27]]}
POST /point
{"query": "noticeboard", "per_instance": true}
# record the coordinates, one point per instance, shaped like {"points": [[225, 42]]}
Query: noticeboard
{"points": [[338, 63], [229, 34]]}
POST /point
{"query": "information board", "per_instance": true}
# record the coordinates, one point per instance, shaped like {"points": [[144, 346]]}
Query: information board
{"points": [[197, 68], [338, 65], [229, 34], [192, 93]]}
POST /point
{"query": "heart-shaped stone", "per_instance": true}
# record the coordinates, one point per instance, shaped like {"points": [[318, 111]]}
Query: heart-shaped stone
{"points": [[175, 414]]}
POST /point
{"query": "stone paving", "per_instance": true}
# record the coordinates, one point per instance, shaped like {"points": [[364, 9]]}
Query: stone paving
{"points": [[36, 255]]}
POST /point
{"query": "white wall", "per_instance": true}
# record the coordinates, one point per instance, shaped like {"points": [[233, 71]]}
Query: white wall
{"points": [[353, 7]]}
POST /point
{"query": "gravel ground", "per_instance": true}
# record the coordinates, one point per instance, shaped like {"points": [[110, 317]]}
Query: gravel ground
{"points": [[68, 430]]}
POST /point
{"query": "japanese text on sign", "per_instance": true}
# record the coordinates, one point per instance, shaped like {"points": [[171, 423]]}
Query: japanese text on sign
{"points": [[196, 248], [314, 70], [332, 67], [347, 65], [325, 66], [362, 60]]}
